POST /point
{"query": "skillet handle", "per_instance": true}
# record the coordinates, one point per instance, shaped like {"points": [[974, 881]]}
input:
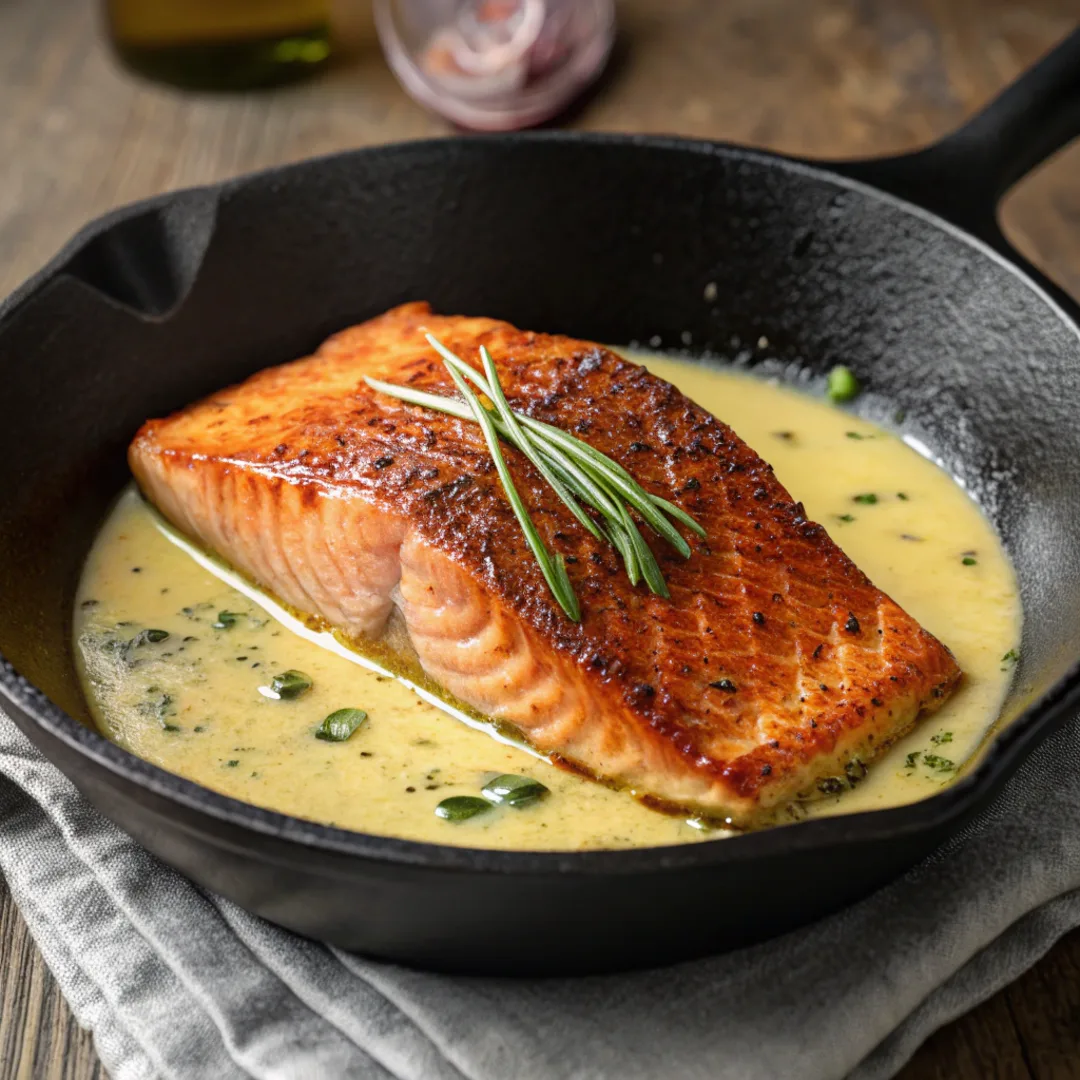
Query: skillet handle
{"points": [[963, 176]]}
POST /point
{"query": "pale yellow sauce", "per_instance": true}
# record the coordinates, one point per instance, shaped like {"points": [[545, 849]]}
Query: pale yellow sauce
{"points": [[192, 703]]}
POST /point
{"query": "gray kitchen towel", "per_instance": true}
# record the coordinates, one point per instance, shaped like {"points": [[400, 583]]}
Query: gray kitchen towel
{"points": [[175, 982]]}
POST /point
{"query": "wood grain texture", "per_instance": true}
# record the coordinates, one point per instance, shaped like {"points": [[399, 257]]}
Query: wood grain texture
{"points": [[984, 1044], [831, 78], [38, 1037]]}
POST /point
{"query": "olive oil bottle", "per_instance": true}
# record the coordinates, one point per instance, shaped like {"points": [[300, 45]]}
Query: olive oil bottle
{"points": [[220, 44]]}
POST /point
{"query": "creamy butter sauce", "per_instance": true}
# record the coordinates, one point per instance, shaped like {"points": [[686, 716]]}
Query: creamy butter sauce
{"points": [[197, 702]]}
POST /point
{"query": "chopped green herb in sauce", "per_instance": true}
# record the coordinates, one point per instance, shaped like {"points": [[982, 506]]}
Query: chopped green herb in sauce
{"points": [[848, 518], [462, 807], [941, 737], [338, 726], [510, 790], [858, 435], [842, 385], [867, 499], [159, 706], [226, 620], [855, 770], [290, 684], [939, 764], [969, 560], [1010, 659]]}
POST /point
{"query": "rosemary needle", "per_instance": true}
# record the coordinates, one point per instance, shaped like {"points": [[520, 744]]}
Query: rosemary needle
{"points": [[579, 474], [554, 569]]}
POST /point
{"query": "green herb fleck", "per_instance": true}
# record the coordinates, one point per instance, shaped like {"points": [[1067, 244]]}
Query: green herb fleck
{"points": [[226, 620], [842, 385], [858, 435], [462, 807], [510, 790], [290, 684], [159, 707], [941, 737], [124, 649], [855, 770], [232, 764], [1010, 659], [845, 517], [903, 496], [913, 759], [868, 499], [968, 560], [940, 764], [338, 726]]}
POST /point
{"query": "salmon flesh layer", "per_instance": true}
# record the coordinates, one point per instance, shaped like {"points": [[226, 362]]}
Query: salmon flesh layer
{"points": [[775, 670]]}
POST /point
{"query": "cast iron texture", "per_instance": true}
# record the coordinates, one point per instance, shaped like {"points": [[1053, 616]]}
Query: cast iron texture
{"points": [[611, 238]]}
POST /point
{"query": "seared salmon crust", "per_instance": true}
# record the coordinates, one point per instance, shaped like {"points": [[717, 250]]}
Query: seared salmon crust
{"points": [[775, 670]]}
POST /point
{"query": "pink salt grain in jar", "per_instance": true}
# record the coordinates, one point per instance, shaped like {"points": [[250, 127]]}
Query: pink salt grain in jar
{"points": [[496, 65]]}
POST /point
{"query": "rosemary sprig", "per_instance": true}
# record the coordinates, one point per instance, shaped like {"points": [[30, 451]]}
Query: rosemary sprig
{"points": [[554, 569], [579, 474]]}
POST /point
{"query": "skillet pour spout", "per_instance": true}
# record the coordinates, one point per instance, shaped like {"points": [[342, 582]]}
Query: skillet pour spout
{"points": [[896, 266]]}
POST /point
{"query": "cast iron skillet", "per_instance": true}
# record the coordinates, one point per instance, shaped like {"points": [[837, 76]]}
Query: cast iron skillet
{"points": [[609, 238]]}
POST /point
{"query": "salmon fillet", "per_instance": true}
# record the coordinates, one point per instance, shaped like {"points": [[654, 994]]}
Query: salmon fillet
{"points": [[775, 670]]}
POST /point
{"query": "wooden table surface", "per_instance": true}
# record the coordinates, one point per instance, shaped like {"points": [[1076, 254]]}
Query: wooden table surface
{"points": [[829, 77]]}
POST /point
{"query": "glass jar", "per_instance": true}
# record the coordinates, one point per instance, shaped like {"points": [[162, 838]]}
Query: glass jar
{"points": [[220, 44], [495, 65]]}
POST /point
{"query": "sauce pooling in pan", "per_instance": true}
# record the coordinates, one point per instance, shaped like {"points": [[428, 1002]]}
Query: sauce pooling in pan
{"points": [[196, 676]]}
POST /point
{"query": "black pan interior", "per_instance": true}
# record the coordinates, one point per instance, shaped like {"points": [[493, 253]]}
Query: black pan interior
{"points": [[588, 237], [678, 245]]}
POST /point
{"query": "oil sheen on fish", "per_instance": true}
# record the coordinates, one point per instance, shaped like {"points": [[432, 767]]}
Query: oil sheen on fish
{"points": [[775, 668]]}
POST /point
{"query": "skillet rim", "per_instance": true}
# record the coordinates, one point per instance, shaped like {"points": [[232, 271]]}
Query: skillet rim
{"points": [[1001, 758]]}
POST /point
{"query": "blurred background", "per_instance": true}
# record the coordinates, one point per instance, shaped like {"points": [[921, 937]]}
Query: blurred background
{"points": [[92, 116]]}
